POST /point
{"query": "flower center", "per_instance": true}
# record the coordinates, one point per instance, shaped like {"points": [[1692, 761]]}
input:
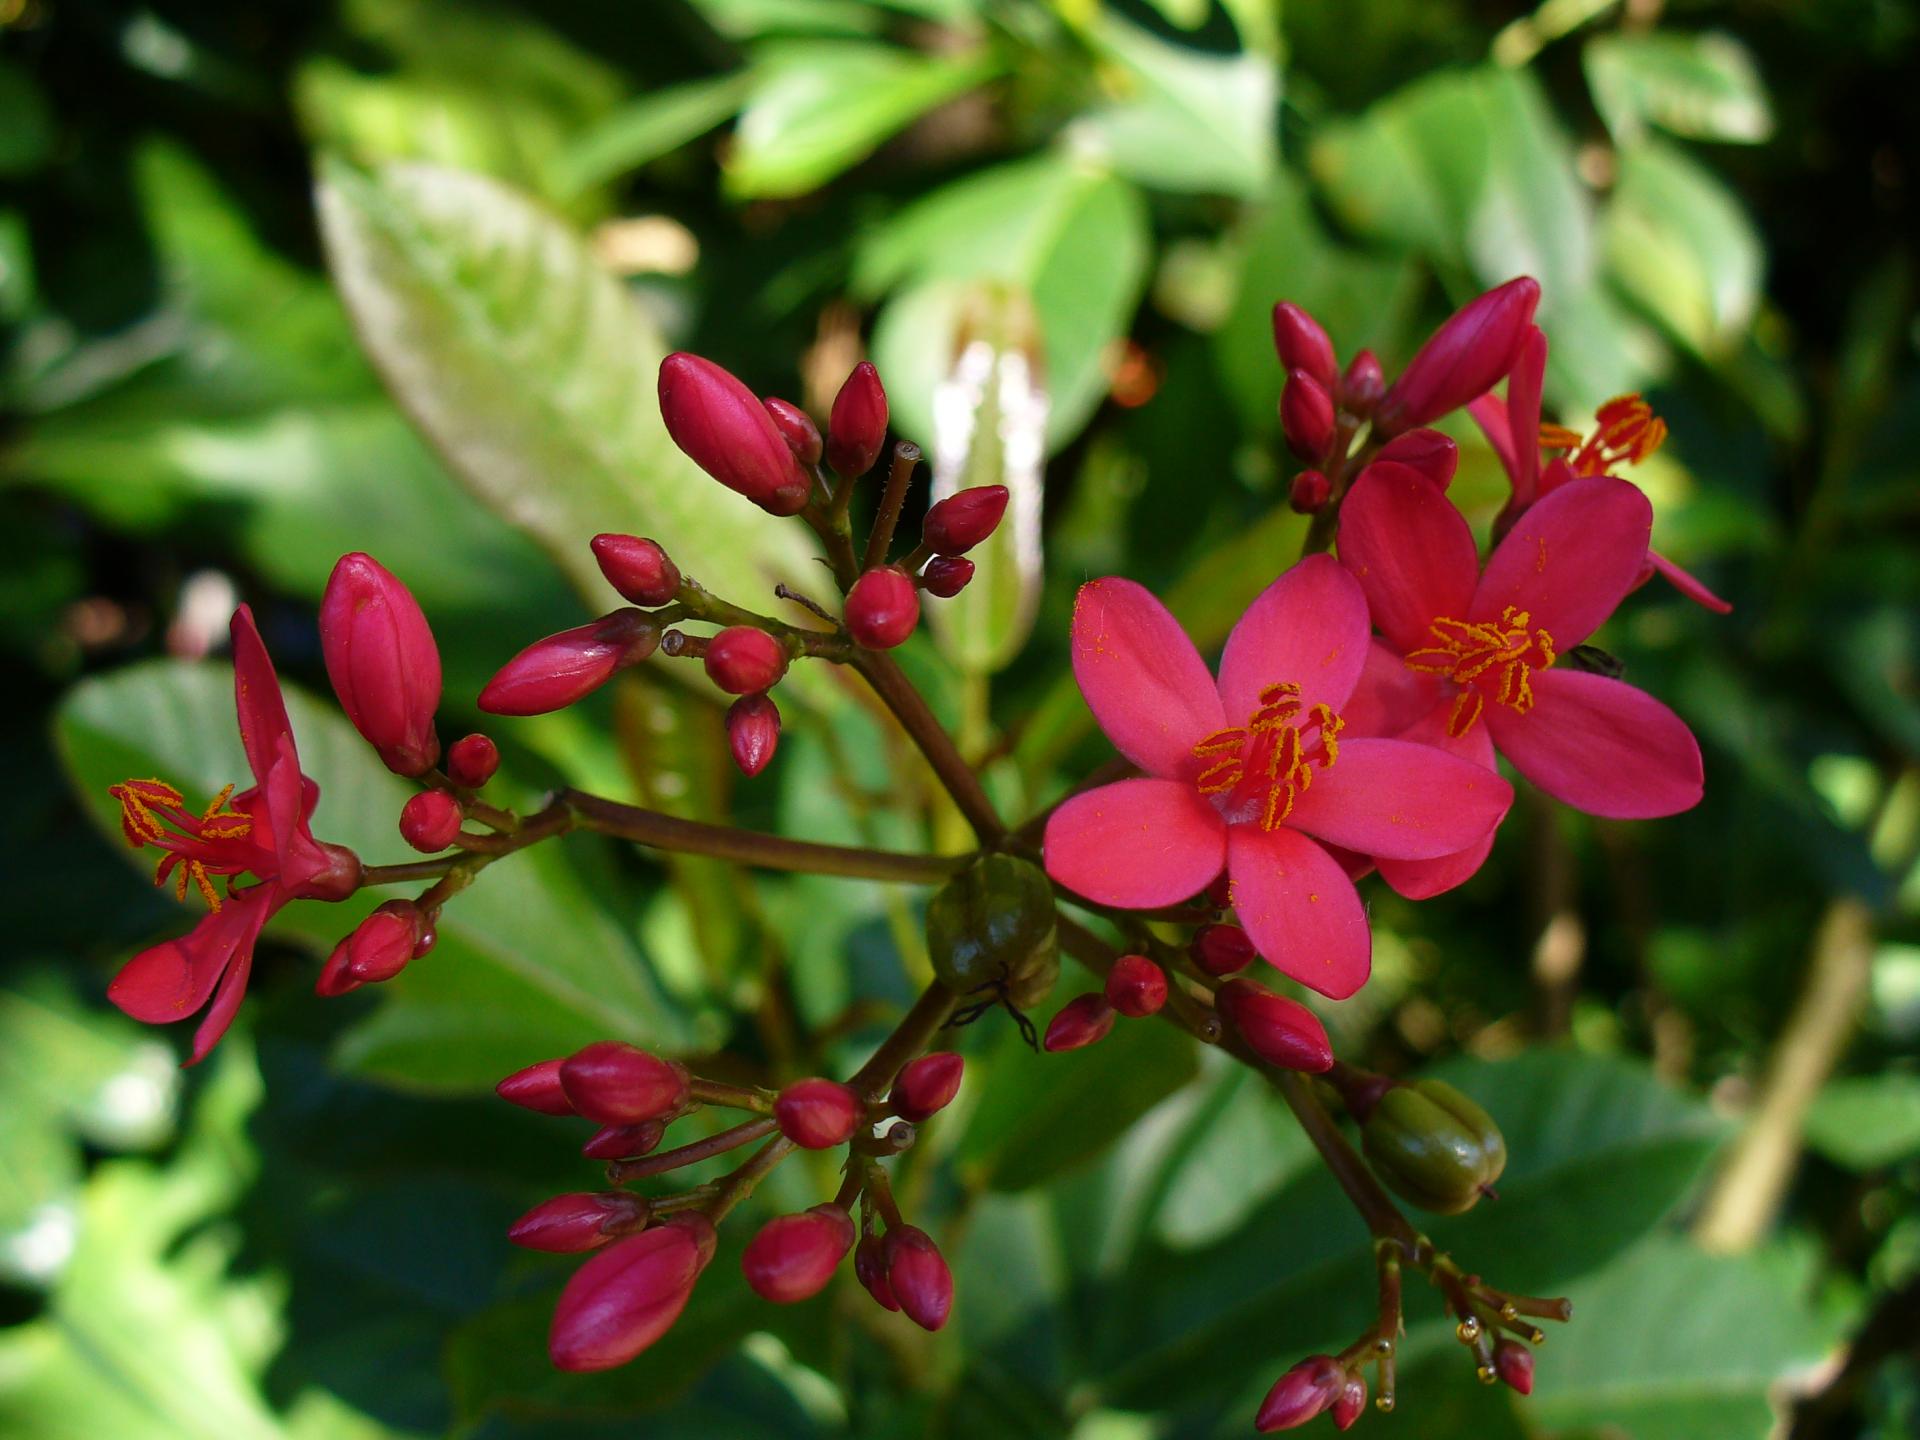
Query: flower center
{"points": [[1486, 658], [1625, 432], [1259, 769], [214, 842]]}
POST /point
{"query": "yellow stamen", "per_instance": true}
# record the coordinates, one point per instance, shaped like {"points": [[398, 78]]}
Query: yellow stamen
{"points": [[1506, 652], [1625, 432]]}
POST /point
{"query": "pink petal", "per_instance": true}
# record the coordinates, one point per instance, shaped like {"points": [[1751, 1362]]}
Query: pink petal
{"points": [[1687, 585], [256, 696], [1309, 628], [1410, 550], [1489, 412], [174, 978], [297, 855], [1300, 908], [1136, 843], [1397, 800], [1423, 879], [1523, 415], [1570, 559], [1144, 681], [1391, 697], [1601, 746], [233, 983]]}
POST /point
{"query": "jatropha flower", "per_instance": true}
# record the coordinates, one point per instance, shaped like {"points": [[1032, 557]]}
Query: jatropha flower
{"points": [[1254, 772], [262, 831]]}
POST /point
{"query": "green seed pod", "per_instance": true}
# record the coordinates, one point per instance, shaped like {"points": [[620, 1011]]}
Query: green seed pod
{"points": [[990, 929], [1433, 1146]]}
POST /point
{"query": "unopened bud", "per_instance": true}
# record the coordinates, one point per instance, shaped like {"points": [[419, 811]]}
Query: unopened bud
{"points": [[382, 944], [918, 1276], [794, 1256], [1310, 493], [617, 1084], [927, 1085], [870, 1269], [1300, 1394], [1081, 1022], [1222, 949], [382, 661], [961, 521], [1350, 1404], [629, 1295], [857, 426], [882, 608], [624, 1142], [817, 1114], [638, 568], [1136, 986], [568, 1224], [1280, 1031], [1433, 1146], [1465, 358], [537, 1088], [753, 732], [430, 820], [796, 427], [946, 576], [744, 661], [1306, 417], [553, 673], [727, 432], [1302, 344], [1362, 385], [1513, 1363], [1428, 451], [472, 761], [334, 978]]}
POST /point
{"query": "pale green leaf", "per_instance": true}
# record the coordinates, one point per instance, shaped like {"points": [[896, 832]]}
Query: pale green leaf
{"points": [[1701, 86]]}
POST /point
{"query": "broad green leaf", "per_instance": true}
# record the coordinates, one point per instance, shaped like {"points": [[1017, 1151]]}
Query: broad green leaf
{"points": [[26, 121], [751, 19], [1866, 1122], [1701, 86], [647, 128]]}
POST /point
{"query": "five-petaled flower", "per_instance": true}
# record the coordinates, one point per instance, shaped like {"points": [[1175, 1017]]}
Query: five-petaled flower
{"points": [[1254, 771], [263, 831]]}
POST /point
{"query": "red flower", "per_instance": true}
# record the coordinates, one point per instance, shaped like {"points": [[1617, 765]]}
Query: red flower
{"points": [[1252, 772], [262, 831]]}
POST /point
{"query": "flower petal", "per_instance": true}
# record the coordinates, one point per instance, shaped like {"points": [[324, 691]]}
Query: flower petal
{"points": [[1410, 550], [1308, 627], [1144, 681], [256, 696], [173, 979], [1300, 908], [1688, 586], [1136, 843], [1523, 415], [1601, 746], [297, 855], [1391, 697], [1570, 559], [1398, 800], [233, 982], [1423, 879]]}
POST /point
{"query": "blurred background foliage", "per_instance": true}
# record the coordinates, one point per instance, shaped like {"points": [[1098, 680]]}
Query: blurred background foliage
{"points": [[1057, 225]]}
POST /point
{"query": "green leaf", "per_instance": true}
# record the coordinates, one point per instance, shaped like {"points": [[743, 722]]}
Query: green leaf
{"points": [[1867, 1122], [26, 122], [1701, 86], [750, 19], [645, 129]]}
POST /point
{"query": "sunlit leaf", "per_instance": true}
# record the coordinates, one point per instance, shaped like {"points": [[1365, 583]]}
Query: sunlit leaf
{"points": [[1702, 86]]}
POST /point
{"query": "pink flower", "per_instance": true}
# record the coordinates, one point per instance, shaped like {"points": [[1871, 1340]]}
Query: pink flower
{"points": [[383, 662], [263, 831], [1252, 772]]}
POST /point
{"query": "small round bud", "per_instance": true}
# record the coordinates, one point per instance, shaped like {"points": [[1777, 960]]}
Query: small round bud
{"points": [[1306, 417], [1350, 1404], [624, 1142], [430, 820], [796, 427], [472, 761], [1310, 493], [882, 608], [1302, 344], [638, 568], [961, 521], [1513, 1363], [569, 1224], [628, 1296], [744, 661], [870, 1269], [1280, 1031], [1222, 949], [617, 1084], [728, 433], [1300, 1394], [1136, 986], [1433, 1146], [927, 1085], [382, 944], [945, 576], [753, 732], [1360, 390], [817, 1114], [537, 1088], [553, 673], [1082, 1021], [857, 426], [1434, 455], [794, 1256], [918, 1276]]}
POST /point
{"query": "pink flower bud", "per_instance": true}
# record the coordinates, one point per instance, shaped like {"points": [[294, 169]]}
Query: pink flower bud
{"points": [[383, 943], [1428, 451], [1302, 344], [624, 1142], [1310, 493], [430, 820], [638, 568], [616, 1084], [882, 608], [553, 673], [382, 661], [918, 1276], [1465, 358], [927, 1086], [794, 1256], [857, 428], [334, 978], [753, 732], [796, 427], [1306, 417], [471, 761], [1351, 1403], [1136, 986], [568, 1224], [817, 1114], [1222, 949], [537, 1088], [946, 575], [1513, 1363], [1280, 1031], [1362, 385], [870, 1269], [1300, 1394], [961, 521], [728, 434], [629, 1295], [1079, 1023], [744, 661]]}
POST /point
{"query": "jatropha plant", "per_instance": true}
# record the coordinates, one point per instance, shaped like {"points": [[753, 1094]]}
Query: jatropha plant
{"points": [[1351, 726]]}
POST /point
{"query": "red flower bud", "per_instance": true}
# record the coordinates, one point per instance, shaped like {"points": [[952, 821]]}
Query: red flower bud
{"points": [[382, 944], [744, 661], [1280, 1031], [334, 978], [1363, 384], [1310, 493], [1302, 344], [883, 608], [1350, 1404], [638, 568], [619, 1085], [1136, 986], [537, 1088], [817, 1114], [1434, 455], [796, 427], [794, 1256], [430, 820], [382, 661], [1513, 1363], [961, 521], [1306, 416], [629, 1295], [471, 761], [927, 1085], [946, 575], [624, 1142], [728, 434], [1079, 1023], [1222, 949], [553, 673], [918, 1276], [857, 428], [1465, 358], [568, 1224], [870, 1269], [753, 732], [1300, 1394]]}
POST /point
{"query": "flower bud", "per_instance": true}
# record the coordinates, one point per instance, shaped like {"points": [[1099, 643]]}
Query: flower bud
{"points": [[553, 673], [1350, 1404], [1434, 455], [638, 568], [918, 1276], [1302, 344], [1433, 1146], [568, 1224], [961, 521], [882, 608], [1082, 1021], [1136, 986], [992, 927], [1306, 417], [537, 1088], [430, 820], [727, 432], [334, 978], [629, 1295], [927, 1085], [382, 944], [857, 426], [1465, 358], [1222, 949], [382, 661], [796, 427], [1362, 385], [1310, 493], [753, 732], [1513, 1363], [744, 661], [1280, 1031], [817, 1114], [625, 1142], [1300, 1394], [339, 879], [471, 761], [794, 1256], [616, 1084], [870, 1269], [946, 575]]}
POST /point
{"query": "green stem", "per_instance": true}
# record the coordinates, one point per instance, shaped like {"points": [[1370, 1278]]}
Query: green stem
{"points": [[897, 693], [906, 455], [719, 1143], [909, 1040]]}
